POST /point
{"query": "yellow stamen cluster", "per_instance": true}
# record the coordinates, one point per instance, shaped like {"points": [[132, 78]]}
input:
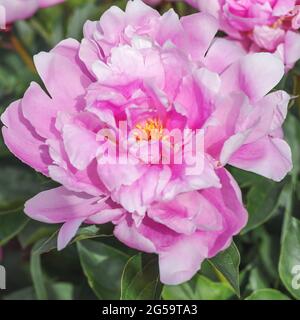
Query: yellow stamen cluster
{"points": [[278, 23], [152, 129]]}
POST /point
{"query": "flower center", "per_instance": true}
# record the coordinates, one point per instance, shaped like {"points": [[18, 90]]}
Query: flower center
{"points": [[152, 129]]}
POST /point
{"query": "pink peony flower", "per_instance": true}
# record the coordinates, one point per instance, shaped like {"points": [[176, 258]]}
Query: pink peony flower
{"points": [[23, 9], [135, 79], [262, 25]]}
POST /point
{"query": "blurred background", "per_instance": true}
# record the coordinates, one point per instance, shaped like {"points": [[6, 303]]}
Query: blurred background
{"points": [[93, 266]]}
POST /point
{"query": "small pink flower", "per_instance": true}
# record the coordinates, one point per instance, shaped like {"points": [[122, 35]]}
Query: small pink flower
{"points": [[262, 25], [23, 9], [154, 74]]}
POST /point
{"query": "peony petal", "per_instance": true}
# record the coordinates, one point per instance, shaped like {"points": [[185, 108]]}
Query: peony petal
{"points": [[138, 13], [196, 96], [89, 52], [212, 6], [127, 233], [112, 22], [59, 205], [106, 215], [232, 145], [22, 140], [19, 9], [40, 111], [283, 7], [187, 213], [255, 74], [197, 43], [272, 110], [81, 181], [67, 232], [169, 27], [48, 3], [222, 53], [114, 175], [270, 157], [192, 178], [291, 48], [226, 116], [80, 145], [63, 74], [181, 261], [228, 201]]}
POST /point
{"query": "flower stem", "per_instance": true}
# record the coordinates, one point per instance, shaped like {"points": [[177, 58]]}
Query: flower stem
{"points": [[19, 48]]}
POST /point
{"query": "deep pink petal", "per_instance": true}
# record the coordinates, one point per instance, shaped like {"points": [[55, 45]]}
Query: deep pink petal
{"points": [[228, 201]]}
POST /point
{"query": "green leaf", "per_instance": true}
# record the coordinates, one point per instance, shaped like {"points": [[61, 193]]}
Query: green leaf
{"points": [[61, 291], [4, 152], [25, 33], [245, 179], [17, 184], [199, 288], [267, 294], [33, 232], [22, 294], [78, 18], [10, 225], [103, 266], [286, 203], [90, 232], [268, 252], [140, 279], [227, 263], [292, 134], [256, 280], [56, 291], [289, 263], [262, 203], [37, 275]]}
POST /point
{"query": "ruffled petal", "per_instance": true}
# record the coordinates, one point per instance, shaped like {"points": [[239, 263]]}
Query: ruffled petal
{"points": [[60, 205], [22, 140], [256, 75]]}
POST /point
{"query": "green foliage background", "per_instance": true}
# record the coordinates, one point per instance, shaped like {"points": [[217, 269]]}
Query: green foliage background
{"points": [[96, 266]]}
